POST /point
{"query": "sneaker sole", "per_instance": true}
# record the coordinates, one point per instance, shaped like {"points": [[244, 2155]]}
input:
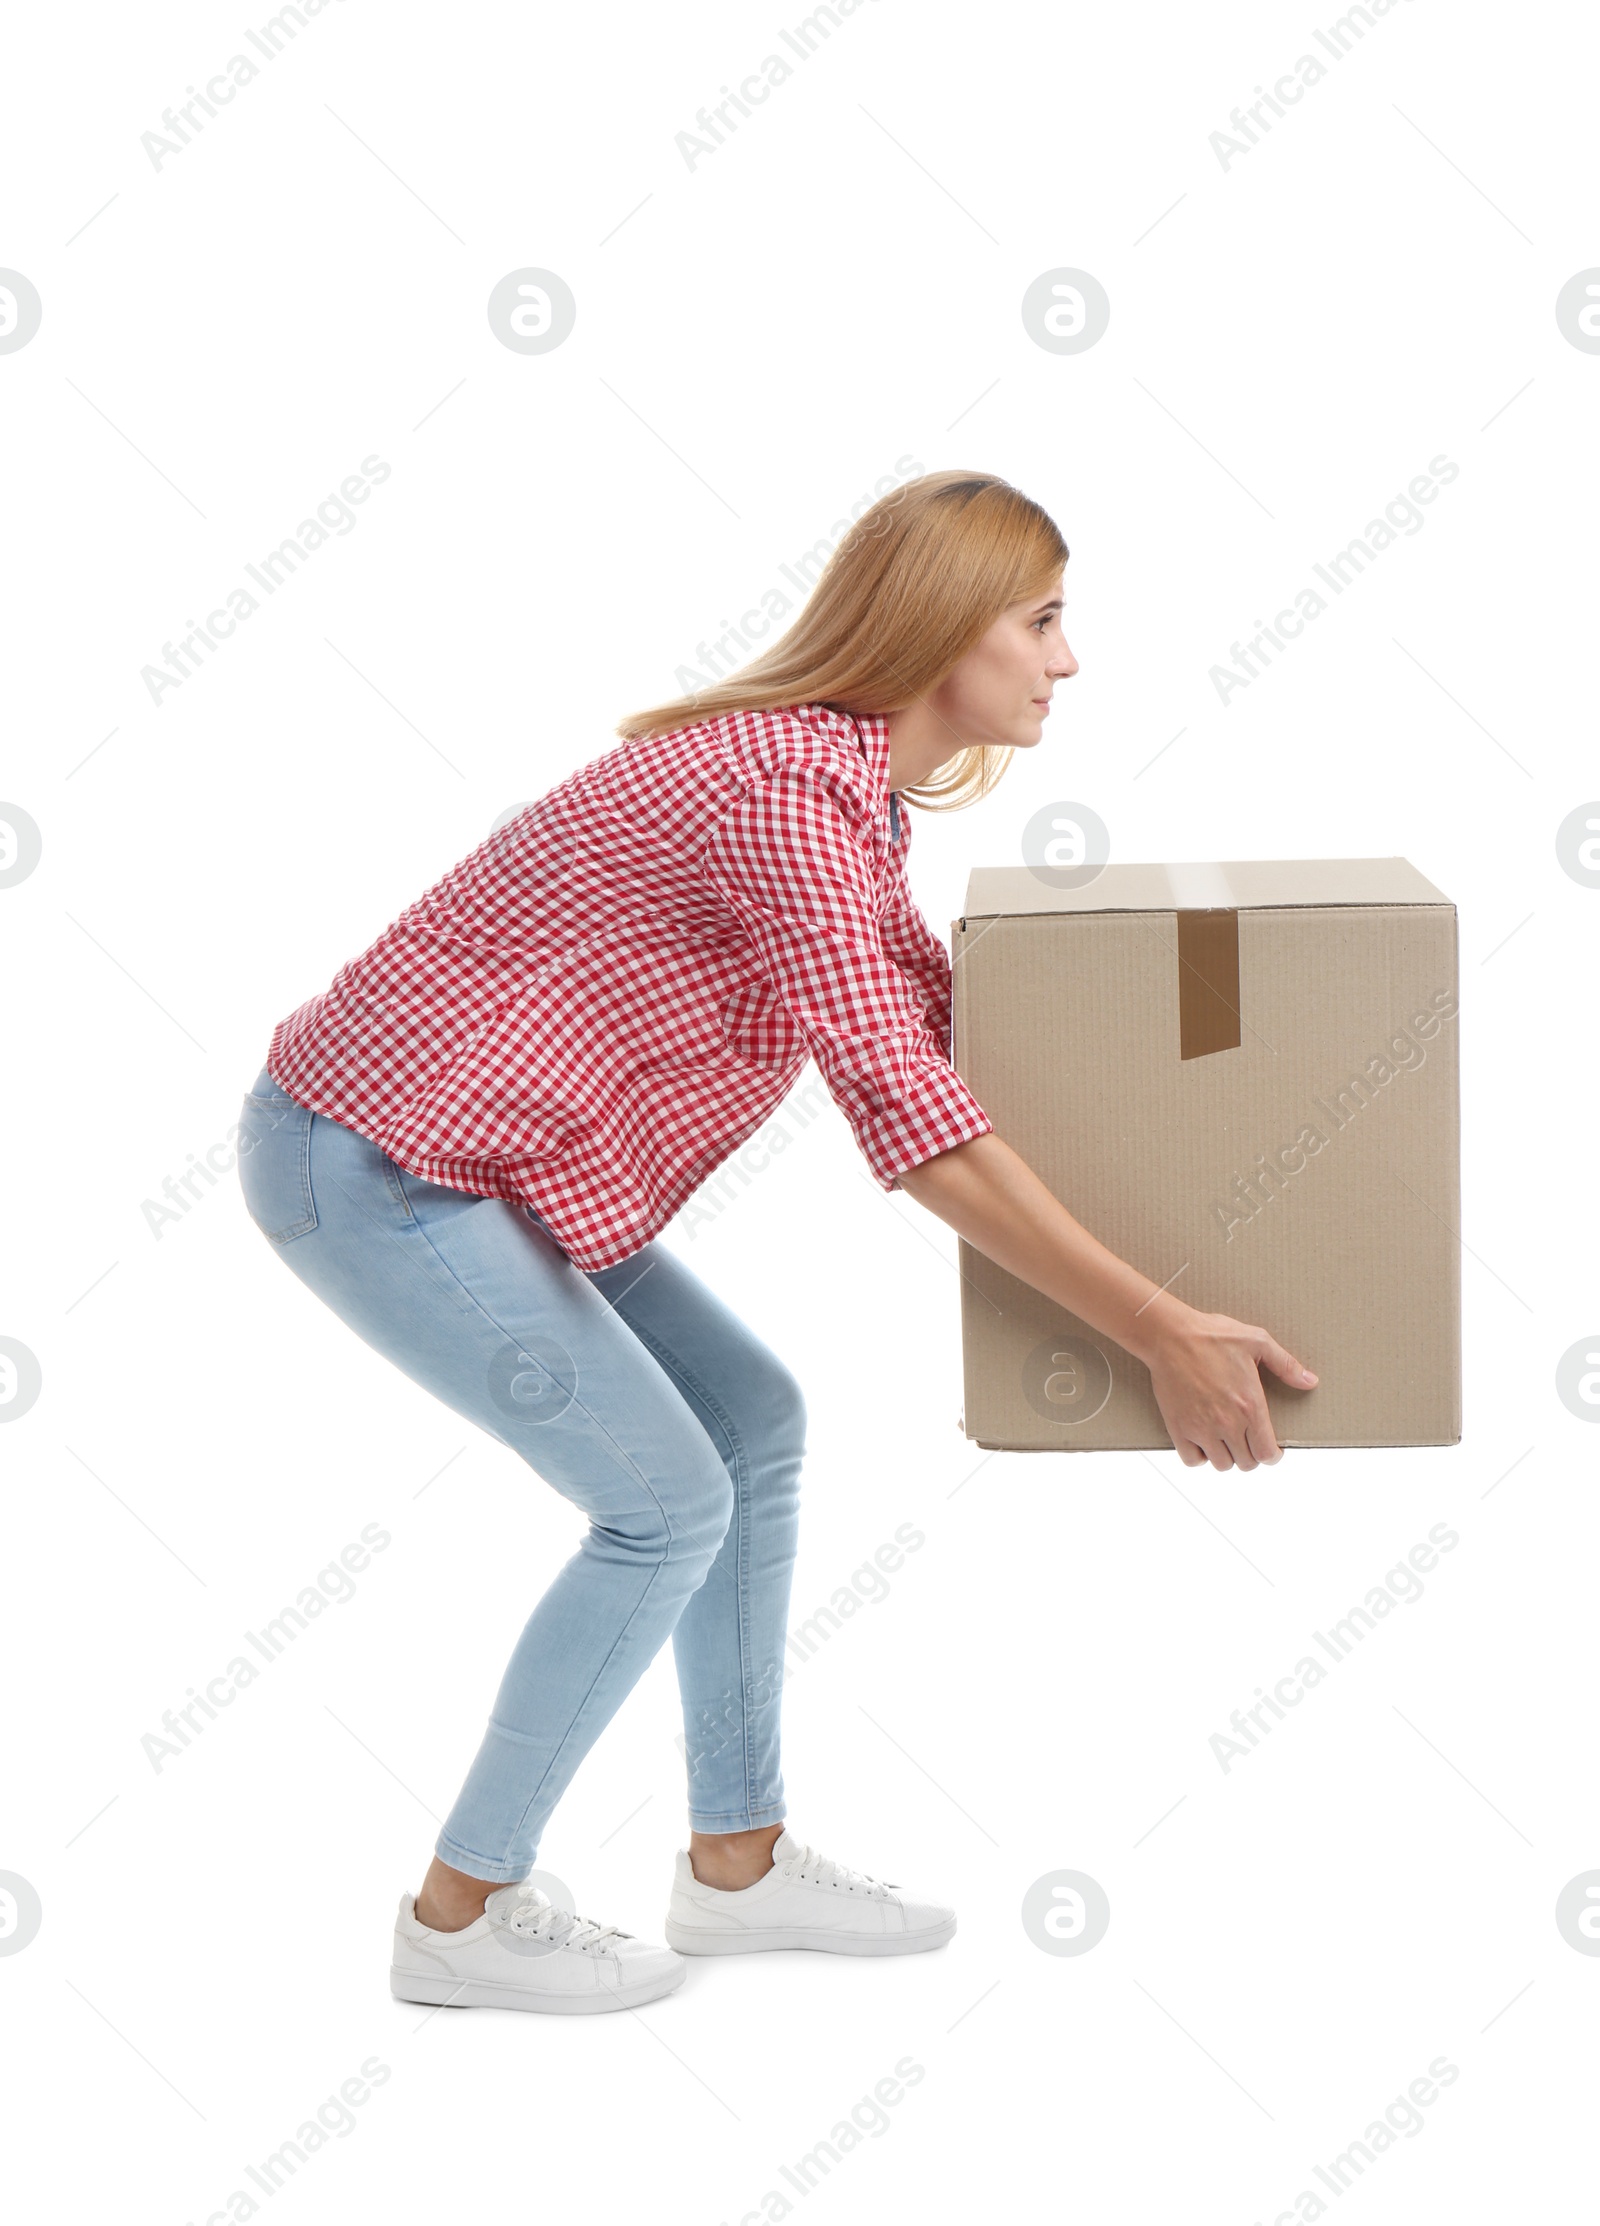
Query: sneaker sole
{"points": [[688, 1942], [417, 1986]]}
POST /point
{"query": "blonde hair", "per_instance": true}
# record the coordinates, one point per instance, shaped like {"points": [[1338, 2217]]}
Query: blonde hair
{"points": [[916, 582]]}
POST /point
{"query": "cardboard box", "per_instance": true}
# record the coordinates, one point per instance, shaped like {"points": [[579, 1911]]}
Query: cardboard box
{"points": [[1243, 1078]]}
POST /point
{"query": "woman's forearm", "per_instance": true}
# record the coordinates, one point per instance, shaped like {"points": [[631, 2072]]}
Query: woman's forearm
{"points": [[1204, 1368], [989, 1194]]}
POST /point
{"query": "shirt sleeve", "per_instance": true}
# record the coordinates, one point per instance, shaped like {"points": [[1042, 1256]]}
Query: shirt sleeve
{"points": [[793, 860]]}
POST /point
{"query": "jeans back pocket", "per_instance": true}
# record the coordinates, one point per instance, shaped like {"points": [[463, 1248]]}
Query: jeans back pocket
{"points": [[275, 1166]]}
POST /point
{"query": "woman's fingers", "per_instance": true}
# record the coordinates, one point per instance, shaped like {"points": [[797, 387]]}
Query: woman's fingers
{"points": [[1263, 1438], [1282, 1362]]}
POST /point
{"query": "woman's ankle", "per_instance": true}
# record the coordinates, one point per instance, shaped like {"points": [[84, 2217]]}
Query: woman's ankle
{"points": [[449, 1900], [730, 1861]]}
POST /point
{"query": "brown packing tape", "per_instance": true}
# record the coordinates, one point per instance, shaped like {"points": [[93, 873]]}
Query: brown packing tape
{"points": [[1208, 983]]}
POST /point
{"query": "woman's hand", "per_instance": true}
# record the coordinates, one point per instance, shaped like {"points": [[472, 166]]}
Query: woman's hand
{"points": [[1205, 1369]]}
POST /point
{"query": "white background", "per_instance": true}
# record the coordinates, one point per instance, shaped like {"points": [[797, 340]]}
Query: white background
{"points": [[758, 339]]}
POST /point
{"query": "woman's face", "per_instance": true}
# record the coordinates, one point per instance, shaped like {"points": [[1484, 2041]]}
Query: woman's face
{"points": [[1000, 691]]}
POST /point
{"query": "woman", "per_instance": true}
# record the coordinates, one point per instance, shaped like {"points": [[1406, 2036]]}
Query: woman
{"points": [[468, 1142]]}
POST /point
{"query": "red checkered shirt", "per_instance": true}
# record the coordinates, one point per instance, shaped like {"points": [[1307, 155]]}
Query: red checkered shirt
{"points": [[601, 1002]]}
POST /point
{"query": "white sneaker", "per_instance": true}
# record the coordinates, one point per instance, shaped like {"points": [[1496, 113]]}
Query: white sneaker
{"points": [[804, 1901], [524, 1953]]}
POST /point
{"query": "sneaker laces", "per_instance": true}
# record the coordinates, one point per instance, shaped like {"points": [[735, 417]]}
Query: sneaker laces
{"points": [[536, 1917], [827, 1872]]}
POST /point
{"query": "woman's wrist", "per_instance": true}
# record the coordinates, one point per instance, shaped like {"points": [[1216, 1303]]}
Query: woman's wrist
{"points": [[1161, 1323]]}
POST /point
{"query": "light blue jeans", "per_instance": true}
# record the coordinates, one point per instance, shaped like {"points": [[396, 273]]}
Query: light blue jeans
{"points": [[635, 1392]]}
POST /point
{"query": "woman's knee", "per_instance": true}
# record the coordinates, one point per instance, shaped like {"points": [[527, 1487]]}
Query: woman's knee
{"points": [[762, 1439], [777, 1412], [686, 1514], [696, 1511], [683, 1522]]}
